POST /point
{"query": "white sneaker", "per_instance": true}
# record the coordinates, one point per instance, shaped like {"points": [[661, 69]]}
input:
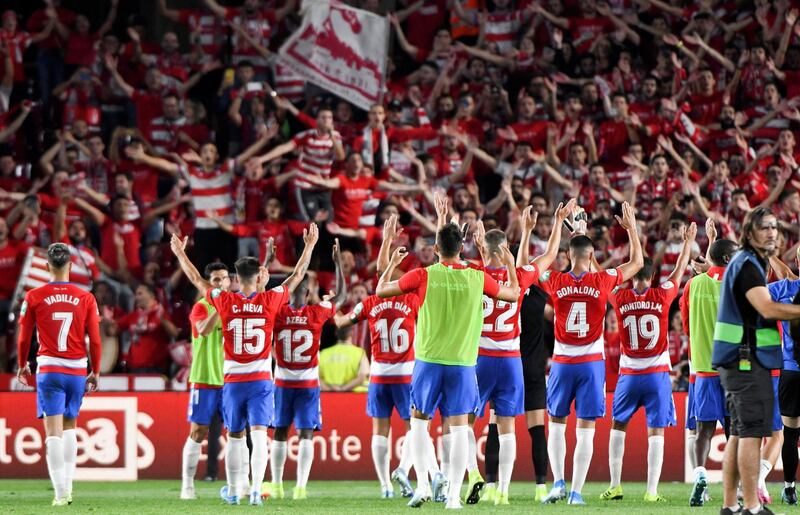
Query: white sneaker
{"points": [[187, 493]]}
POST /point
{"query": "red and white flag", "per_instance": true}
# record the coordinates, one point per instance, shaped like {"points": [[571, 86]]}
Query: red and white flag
{"points": [[34, 274], [340, 49]]}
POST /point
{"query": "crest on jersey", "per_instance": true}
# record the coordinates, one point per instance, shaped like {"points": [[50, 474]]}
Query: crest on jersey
{"points": [[668, 285], [544, 277], [528, 268], [216, 292], [612, 272], [23, 309]]}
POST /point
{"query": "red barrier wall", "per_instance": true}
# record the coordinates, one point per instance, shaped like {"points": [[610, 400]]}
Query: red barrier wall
{"points": [[124, 436]]}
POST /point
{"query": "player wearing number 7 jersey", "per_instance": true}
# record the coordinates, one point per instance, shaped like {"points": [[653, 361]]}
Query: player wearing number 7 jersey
{"points": [[578, 373], [247, 317], [392, 324], [297, 332], [63, 315], [643, 317]]}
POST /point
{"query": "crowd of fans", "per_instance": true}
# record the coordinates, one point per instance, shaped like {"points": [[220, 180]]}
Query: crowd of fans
{"points": [[112, 141]]}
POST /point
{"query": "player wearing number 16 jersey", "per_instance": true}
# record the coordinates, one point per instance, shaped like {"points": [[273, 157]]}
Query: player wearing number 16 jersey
{"points": [[63, 314], [643, 317], [578, 372], [247, 318], [297, 332]]}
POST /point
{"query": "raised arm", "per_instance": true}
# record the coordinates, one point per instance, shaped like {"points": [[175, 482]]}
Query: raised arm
{"points": [[310, 237], [689, 235], [94, 213], [171, 14], [178, 247], [544, 261], [401, 37], [283, 148], [340, 296], [511, 292], [24, 111], [111, 65], [253, 149], [138, 154], [563, 23], [636, 259], [109, 21], [215, 8]]}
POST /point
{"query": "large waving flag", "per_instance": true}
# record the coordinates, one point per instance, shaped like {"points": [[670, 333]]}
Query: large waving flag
{"points": [[34, 274], [340, 49]]}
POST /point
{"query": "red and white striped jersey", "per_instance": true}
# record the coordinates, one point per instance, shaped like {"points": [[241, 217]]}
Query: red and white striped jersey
{"points": [[316, 155], [500, 332], [288, 83], [247, 324], [259, 26], [211, 191], [34, 272], [502, 29], [392, 326], [163, 134], [644, 327], [671, 254], [205, 26], [579, 303], [63, 315], [297, 334]]}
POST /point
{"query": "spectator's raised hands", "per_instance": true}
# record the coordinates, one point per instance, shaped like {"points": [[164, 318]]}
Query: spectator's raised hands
{"points": [[529, 217], [178, 245]]}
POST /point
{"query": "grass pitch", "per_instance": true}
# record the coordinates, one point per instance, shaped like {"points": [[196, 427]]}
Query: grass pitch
{"points": [[350, 497]]}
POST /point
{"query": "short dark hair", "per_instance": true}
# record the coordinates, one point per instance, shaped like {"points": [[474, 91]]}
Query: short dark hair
{"points": [[58, 255], [343, 333], [786, 193], [245, 63], [646, 272], [247, 268], [213, 267], [449, 240], [494, 239], [721, 251], [581, 244]]}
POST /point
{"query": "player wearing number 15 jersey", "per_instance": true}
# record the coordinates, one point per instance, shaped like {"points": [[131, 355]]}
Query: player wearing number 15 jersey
{"points": [[63, 314], [643, 317], [578, 372], [247, 319], [297, 332]]}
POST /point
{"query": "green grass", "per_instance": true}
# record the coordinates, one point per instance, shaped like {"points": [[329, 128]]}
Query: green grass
{"points": [[350, 497]]}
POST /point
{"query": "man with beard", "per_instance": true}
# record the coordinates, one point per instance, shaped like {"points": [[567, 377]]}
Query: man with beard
{"points": [[747, 347]]}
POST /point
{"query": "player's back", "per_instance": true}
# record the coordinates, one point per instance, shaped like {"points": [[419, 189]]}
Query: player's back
{"points": [[703, 305], [297, 338], [644, 327], [501, 327], [579, 302], [247, 323], [63, 314], [392, 327]]}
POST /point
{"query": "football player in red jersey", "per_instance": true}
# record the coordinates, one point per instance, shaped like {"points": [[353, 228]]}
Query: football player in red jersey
{"points": [[643, 316], [578, 373], [499, 368], [392, 326], [248, 317], [297, 332], [63, 314]]}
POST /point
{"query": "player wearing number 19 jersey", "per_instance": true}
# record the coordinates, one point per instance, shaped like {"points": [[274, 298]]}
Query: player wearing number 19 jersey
{"points": [[297, 333], [643, 316], [63, 315]]}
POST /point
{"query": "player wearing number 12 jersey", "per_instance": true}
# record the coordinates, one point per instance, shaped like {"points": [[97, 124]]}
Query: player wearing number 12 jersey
{"points": [[63, 314], [297, 332], [247, 318], [643, 317], [578, 372]]}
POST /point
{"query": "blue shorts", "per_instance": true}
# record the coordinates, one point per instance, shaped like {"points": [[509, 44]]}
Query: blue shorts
{"points": [[709, 399], [298, 405], [59, 394], [451, 388], [382, 397], [249, 402], [204, 403], [777, 422], [651, 391], [500, 381], [691, 421], [584, 383]]}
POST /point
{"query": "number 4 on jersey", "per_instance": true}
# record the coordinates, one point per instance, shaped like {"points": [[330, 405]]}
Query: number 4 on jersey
{"points": [[576, 320]]}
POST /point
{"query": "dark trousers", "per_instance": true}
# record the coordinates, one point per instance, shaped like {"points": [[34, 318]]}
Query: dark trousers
{"points": [[214, 431]]}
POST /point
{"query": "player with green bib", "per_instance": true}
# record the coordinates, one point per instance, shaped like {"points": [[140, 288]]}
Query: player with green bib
{"points": [[446, 347], [205, 376]]}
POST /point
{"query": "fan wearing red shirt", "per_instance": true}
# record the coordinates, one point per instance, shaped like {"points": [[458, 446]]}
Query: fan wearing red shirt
{"points": [[643, 317], [578, 373], [247, 319], [18, 41], [151, 331], [585, 28], [708, 102], [64, 315], [298, 327]]}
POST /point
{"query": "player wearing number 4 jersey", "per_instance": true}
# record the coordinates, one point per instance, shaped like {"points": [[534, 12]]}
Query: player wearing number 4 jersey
{"points": [[499, 368], [392, 330], [63, 314], [578, 373], [643, 316], [247, 317], [297, 331]]}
